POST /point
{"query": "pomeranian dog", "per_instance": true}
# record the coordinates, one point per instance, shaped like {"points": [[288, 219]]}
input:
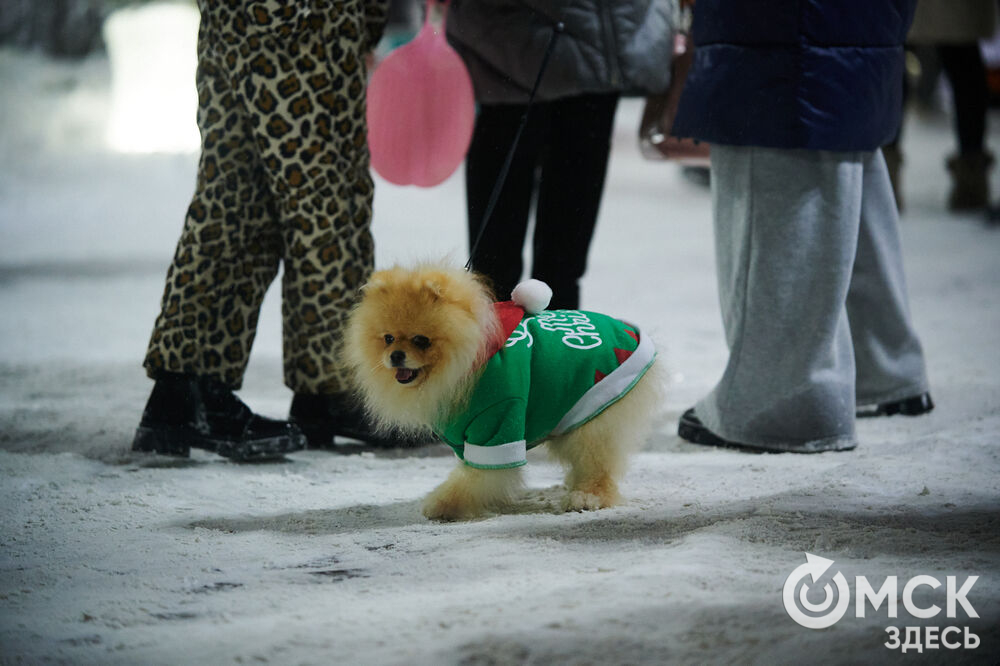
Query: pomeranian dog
{"points": [[431, 352]]}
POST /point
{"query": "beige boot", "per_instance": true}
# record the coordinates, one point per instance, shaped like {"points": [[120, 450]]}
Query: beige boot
{"points": [[970, 189]]}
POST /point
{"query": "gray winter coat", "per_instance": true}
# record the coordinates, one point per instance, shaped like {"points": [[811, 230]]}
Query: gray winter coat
{"points": [[619, 46]]}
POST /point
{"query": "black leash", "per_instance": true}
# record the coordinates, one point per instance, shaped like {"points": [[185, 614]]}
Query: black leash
{"points": [[557, 29]]}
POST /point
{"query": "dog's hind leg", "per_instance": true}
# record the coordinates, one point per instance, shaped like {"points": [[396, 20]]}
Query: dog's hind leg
{"points": [[594, 461], [469, 492], [596, 454]]}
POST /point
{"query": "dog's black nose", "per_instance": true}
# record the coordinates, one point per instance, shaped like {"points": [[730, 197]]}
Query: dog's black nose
{"points": [[398, 358]]}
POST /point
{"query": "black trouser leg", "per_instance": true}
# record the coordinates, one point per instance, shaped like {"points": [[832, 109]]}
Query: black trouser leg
{"points": [[963, 64], [573, 171], [500, 249]]}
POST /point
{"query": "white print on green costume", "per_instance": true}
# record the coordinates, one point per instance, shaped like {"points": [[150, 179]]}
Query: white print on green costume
{"points": [[577, 329], [556, 371], [519, 333]]}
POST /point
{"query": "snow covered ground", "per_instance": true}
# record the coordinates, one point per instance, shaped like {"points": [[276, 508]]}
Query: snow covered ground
{"points": [[112, 558]]}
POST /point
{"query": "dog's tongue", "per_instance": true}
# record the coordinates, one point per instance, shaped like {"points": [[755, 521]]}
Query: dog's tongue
{"points": [[405, 374]]}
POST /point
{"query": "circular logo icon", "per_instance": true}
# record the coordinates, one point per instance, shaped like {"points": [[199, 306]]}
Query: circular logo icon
{"points": [[807, 613]]}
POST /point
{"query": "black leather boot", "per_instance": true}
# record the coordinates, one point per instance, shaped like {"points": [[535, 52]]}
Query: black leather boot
{"points": [[324, 417], [690, 428], [186, 411], [912, 406]]}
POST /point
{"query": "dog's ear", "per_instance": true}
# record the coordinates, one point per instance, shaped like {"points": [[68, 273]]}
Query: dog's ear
{"points": [[377, 282], [433, 288]]}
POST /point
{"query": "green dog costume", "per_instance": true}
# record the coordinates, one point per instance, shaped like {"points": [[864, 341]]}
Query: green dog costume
{"points": [[554, 372]]}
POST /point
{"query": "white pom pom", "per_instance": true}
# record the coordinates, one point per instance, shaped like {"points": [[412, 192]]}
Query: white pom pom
{"points": [[532, 295]]}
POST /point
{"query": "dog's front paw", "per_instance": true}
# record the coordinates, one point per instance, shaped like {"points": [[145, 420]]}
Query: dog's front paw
{"points": [[447, 506], [472, 493], [578, 500]]}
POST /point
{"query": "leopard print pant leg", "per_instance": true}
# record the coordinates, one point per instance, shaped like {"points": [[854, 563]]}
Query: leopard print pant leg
{"points": [[231, 245], [283, 175]]}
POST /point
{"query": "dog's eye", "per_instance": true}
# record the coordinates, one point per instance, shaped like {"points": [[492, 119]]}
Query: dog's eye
{"points": [[421, 341], [389, 339]]}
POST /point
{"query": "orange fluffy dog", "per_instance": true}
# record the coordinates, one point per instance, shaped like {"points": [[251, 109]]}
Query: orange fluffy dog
{"points": [[432, 352]]}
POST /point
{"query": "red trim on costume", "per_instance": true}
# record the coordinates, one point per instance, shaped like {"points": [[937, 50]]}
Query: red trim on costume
{"points": [[621, 355], [510, 315]]}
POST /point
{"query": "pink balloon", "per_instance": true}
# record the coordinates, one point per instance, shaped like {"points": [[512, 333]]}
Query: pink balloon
{"points": [[421, 110]]}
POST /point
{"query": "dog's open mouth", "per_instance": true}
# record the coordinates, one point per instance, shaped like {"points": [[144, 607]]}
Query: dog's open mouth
{"points": [[406, 375]]}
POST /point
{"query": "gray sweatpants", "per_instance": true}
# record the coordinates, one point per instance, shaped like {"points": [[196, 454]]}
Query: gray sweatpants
{"points": [[813, 297]]}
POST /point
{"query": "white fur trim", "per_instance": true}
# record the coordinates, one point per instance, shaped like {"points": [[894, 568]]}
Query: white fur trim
{"points": [[532, 295], [511, 454]]}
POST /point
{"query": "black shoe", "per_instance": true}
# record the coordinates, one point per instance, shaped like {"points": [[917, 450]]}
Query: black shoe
{"points": [[186, 411], [912, 406], [324, 417], [691, 428]]}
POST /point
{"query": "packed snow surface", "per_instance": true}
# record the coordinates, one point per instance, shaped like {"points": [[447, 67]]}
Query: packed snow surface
{"points": [[109, 557]]}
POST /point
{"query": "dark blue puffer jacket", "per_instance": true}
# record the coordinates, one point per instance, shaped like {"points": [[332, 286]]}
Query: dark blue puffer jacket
{"points": [[815, 74]]}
